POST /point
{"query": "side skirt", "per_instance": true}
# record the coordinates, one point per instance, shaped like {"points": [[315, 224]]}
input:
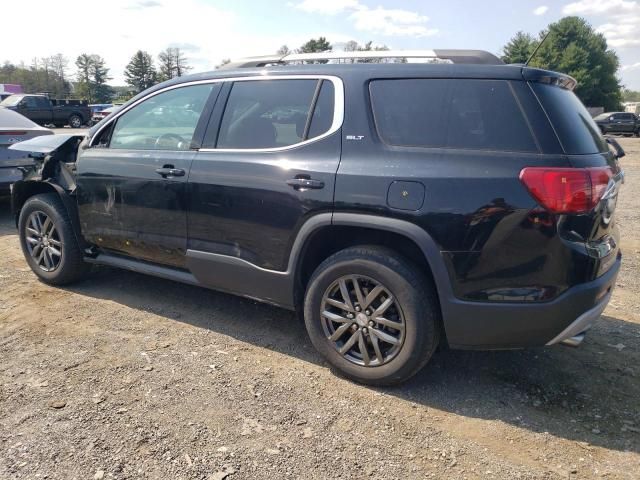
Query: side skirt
{"points": [[215, 272]]}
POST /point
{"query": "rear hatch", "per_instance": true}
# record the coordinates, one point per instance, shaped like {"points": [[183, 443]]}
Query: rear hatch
{"points": [[584, 197]]}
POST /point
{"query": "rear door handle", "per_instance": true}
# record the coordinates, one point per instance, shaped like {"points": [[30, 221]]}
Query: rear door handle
{"points": [[305, 183], [169, 171]]}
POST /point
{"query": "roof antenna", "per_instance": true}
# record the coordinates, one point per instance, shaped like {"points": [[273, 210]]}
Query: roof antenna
{"points": [[526, 64]]}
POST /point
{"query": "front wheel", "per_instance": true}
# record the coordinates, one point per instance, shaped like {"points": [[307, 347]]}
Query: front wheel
{"points": [[372, 315], [48, 241]]}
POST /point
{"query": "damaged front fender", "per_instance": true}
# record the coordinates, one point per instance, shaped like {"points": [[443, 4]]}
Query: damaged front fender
{"points": [[53, 171]]}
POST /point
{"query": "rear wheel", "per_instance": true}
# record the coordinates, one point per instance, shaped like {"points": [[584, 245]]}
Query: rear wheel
{"points": [[48, 241], [75, 121], [372, 315]]}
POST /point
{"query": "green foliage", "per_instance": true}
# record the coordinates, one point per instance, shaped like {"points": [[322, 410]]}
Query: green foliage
{"points": [[315, 46], [140, 73], [630, 95], [44, 75], [574, 48], [92, 78], [519, 48]]}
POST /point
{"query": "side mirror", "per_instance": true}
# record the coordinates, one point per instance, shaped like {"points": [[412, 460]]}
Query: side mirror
{"points": [[618, 150]]}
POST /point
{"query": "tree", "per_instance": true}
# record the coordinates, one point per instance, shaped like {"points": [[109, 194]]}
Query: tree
{"points": [[519, 48], [574, 48], [315, 46], [41, 76], [630, 95], [224, 62], [100, 76], [353, 46], [167, 65], [284, 50], [173, 63], [140, 73], [92, 77]]}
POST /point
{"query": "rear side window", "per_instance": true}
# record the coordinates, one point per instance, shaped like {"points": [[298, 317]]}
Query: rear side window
{"points": [[576, 130], [275, 113], [467, 114]]}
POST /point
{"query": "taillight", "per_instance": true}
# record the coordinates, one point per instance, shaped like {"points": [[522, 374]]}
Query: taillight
{"points": [[12, 132], [566, 190]]}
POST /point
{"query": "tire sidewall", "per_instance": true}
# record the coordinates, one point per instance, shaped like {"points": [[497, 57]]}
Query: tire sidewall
{"points": [[38, 204], [71, 119], [418, 323]]}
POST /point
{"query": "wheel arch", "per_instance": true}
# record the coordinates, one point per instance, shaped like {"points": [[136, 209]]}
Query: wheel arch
{"points": [[349, 229], [25, 189]]}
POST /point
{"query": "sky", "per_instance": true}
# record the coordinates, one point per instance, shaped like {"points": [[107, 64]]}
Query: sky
{"points": [[211, 30]]}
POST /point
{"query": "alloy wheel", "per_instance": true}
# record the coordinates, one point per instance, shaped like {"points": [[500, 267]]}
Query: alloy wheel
{"points": [[43, 241], [362, 320]]}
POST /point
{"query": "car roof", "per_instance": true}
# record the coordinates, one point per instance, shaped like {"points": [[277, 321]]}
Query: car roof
{"points": [[366, 71], [11, 119]]}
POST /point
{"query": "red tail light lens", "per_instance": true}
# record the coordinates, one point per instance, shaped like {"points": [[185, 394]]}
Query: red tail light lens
{"points": [[566, 190], [12, 132]]}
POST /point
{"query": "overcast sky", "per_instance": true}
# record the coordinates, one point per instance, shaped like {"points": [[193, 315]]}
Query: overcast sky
{"points": [[210, 30]]}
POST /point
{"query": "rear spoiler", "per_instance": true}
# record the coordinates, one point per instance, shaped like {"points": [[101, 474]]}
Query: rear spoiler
{"points": [[549, 77]]}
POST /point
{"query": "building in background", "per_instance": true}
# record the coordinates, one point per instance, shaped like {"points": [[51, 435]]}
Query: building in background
{"points": [[7, 89]]}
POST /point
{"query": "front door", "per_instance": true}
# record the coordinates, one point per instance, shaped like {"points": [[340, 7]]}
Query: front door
{"points": [[132, 180], [268, 164]]}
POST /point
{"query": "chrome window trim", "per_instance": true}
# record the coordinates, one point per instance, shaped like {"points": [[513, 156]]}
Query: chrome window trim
{"points": [[338, 109]]}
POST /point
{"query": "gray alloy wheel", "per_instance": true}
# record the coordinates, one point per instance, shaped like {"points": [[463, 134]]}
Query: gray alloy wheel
{"points": [[362, 320], [372, 314], [75, 121], [43, 241]]}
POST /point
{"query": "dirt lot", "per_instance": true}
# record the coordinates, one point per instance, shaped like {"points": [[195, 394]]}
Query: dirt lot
{"points": [[127, 376]]}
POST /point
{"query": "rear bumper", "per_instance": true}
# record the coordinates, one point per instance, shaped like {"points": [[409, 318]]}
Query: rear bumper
{"points": [[485, 325], [581, 324]]}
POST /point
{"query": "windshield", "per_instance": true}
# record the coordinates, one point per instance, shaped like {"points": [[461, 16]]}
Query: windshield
{"points": [[11, 101]]}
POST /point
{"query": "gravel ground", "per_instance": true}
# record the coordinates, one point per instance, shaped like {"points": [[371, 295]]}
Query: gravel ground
{"points": [[125, 376]]}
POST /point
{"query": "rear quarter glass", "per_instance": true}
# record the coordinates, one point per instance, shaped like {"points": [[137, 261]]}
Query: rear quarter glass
{"points": [[576, 130], [451, 113]]}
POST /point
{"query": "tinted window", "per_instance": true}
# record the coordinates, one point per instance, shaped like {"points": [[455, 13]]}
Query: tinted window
{"points": [[266, 113], [163, 122], [323, 112], [576, 129], [469, 114]]}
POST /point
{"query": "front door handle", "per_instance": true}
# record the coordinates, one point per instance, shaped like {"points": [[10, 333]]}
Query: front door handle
{"points": [[305, 183], [170, 171]]}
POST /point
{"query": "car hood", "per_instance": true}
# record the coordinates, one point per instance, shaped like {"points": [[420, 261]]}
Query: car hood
{"points": [[46, 144]]}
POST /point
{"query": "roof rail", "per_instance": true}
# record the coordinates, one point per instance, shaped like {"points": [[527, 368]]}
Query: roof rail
{"points": [[477, 57]]}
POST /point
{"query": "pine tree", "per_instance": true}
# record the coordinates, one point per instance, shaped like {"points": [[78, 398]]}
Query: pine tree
{"points": [[140, 73], [519, 48]]}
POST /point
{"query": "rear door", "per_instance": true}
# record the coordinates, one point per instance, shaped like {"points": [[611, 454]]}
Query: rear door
{"points": [[268, 163], [132, 180]]}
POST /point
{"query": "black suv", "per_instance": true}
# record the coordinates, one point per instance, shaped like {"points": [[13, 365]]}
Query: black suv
{"points": [[623, 123], [393, 205]]}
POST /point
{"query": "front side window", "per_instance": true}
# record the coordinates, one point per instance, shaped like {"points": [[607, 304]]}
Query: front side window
{"points": [[275, 113], [165, 121], [446, 113]]}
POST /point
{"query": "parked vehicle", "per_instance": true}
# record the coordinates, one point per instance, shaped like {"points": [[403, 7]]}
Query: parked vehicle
{"points": [[44, 111], [623, 123], [15, 128], [98, 107], [394, 205], [102, 114]]}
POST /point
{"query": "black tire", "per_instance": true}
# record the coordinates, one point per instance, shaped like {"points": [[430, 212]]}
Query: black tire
{"points": [[414, 299], [70, 266], [75, 121]]}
